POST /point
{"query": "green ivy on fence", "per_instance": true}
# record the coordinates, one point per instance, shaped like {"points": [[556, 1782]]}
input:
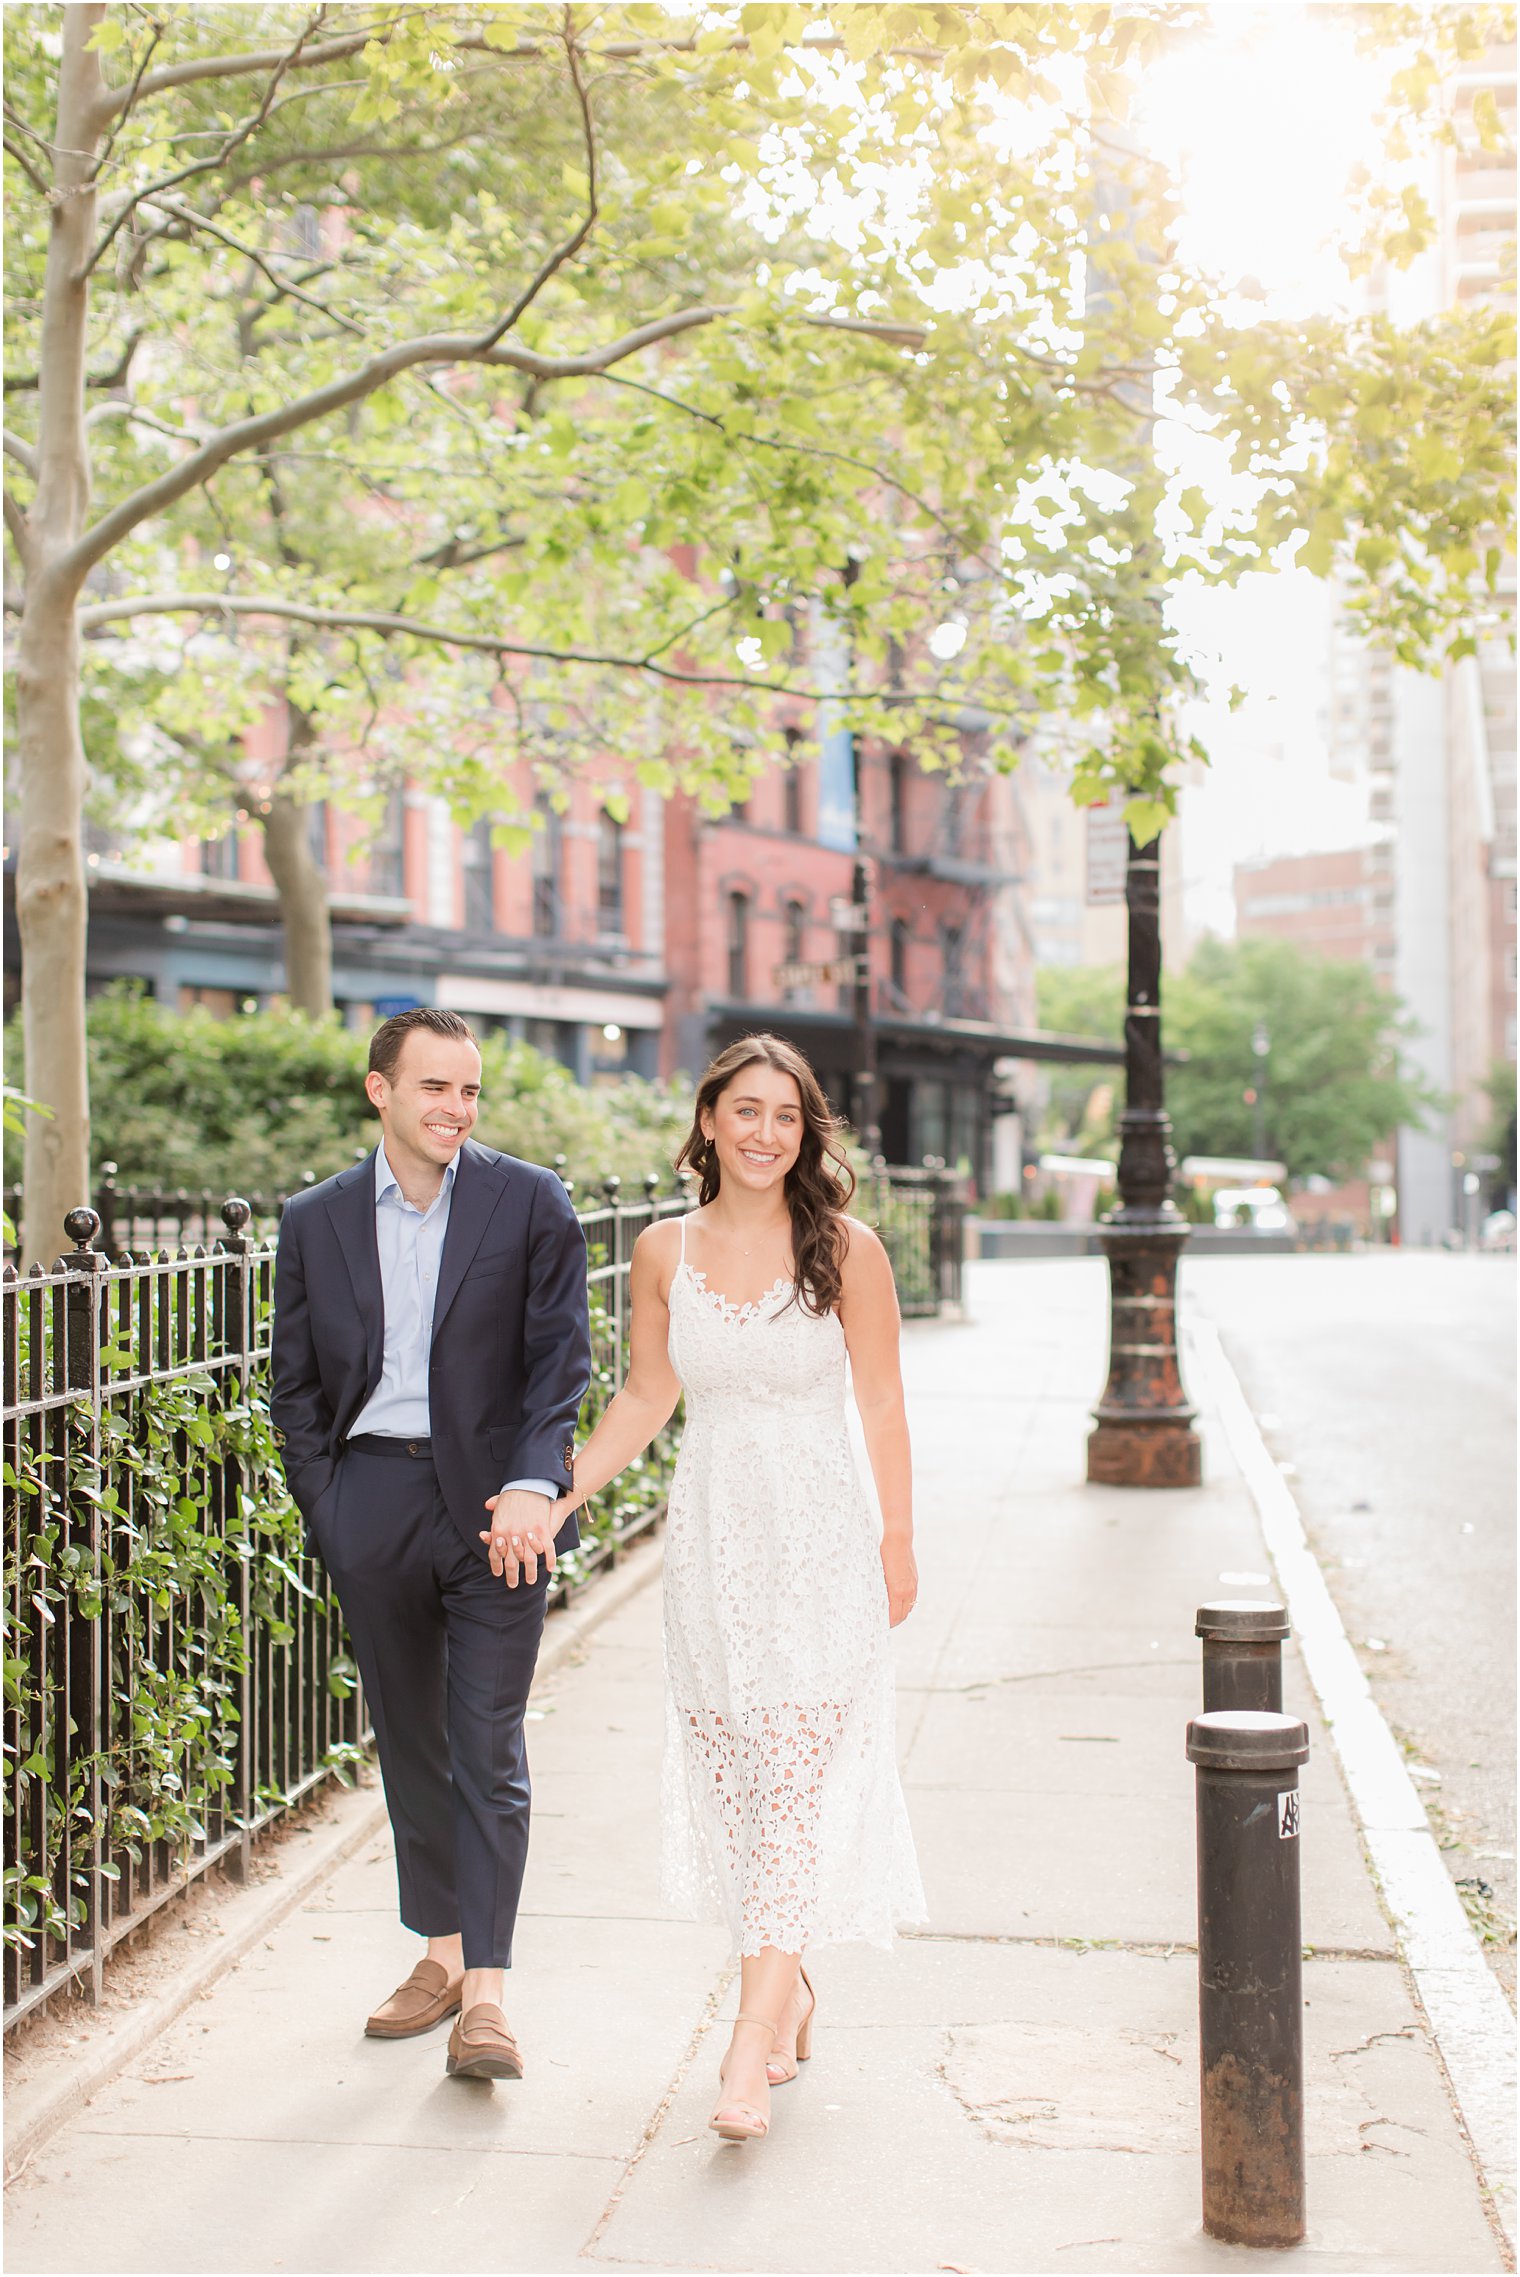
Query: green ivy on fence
{"points": [[201, 1546]]}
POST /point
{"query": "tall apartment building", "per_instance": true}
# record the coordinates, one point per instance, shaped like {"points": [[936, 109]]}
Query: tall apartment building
{"points": [[1327, 904], [1438, 750]]}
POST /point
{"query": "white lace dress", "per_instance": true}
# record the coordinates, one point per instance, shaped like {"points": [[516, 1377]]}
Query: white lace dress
{"points": [[782, 1811]]}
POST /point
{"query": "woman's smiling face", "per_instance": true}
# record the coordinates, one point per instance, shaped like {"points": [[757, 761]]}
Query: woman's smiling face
{"points": [[756, 1126]]}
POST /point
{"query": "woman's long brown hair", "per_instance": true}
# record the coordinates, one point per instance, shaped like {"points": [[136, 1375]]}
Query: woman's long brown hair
{"points": [[820, 1183]]}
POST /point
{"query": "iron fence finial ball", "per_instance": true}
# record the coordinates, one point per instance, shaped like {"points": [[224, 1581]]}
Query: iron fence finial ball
{"points": [[235, 1213], [81, 1225]]}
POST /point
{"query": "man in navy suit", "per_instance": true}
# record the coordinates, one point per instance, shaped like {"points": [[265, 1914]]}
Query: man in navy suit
{"points": [[430, 1343]]}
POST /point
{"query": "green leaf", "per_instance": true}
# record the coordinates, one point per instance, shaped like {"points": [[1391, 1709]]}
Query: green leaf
{"points": [[1486, 120], [1318, 553]]}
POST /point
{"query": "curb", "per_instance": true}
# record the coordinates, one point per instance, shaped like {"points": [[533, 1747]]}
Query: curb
{"points": [[1470, 2019], [35, 2113]]}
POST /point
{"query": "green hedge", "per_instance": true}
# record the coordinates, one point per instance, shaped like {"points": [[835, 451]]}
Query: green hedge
{"points": [[248, 1105]]}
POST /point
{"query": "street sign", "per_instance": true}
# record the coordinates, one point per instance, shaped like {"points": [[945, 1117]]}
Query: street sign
{"points": [[847, 916], [1107, 854], [841, 972]]}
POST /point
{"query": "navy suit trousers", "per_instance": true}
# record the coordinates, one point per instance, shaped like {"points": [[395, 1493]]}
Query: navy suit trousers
{"points": [[447, 1652]]}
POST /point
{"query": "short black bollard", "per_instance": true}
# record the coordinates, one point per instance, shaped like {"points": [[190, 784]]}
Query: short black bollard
{"points": [[1242, 1654], [1250, 1974]]}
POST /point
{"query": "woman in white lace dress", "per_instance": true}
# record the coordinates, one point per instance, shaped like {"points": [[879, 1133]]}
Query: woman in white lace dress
{"points": [[782, 1810]]}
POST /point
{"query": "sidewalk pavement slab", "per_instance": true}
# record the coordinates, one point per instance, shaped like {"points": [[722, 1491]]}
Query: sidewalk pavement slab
{"points": [[1014, 2088]]}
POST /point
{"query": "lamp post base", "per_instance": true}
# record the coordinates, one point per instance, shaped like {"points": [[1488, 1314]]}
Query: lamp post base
{"points": [[1144, 1454], [1144, 1434]]}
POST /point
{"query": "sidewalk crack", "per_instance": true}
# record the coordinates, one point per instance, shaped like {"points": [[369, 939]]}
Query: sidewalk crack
{"points": [[658, 2116]]}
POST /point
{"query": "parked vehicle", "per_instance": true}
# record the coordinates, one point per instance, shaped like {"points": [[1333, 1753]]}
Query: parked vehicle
{"points": [[1498, 1230], [1262, 1208]]}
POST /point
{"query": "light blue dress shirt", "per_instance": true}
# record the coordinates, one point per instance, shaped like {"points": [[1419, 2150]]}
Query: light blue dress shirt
{"points": [[410, 1242]]}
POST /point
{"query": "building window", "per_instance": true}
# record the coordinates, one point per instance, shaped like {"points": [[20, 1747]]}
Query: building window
{"points": [[219, 856], [316, 832], [898, 765], [546, 871], [609, 874], [477, 856], [387, 860], [738, 946], [794, 935], [792, 783], [953, 946], [901, 935], [954, 813]]}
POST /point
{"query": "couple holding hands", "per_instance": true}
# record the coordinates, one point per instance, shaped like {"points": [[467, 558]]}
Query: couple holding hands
{"points": [[431, 1353]]}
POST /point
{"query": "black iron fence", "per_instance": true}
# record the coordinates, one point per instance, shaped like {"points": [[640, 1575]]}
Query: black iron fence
{"points": [[137, 1218], [921, 1218], [176, 1672]]}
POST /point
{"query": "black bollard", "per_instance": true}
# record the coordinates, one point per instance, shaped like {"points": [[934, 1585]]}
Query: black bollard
{"points": [[1250, 1974], [1242, 1654]]}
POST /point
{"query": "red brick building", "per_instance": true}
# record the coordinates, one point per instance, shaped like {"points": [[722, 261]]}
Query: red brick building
{"points": [[770, 887], [1329, 904]]}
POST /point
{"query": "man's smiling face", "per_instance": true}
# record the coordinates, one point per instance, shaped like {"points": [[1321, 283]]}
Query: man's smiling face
{"points": [[428, 1108]]}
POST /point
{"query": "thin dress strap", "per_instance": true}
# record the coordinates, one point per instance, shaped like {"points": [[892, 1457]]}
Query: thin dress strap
{"points": [[684, 1215]]}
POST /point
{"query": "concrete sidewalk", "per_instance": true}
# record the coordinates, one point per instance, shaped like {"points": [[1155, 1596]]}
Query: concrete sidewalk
{"points": [[1014, 2089]]}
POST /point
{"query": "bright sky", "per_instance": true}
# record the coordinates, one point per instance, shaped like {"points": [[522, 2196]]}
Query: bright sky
{"points": [[1260, 119]]}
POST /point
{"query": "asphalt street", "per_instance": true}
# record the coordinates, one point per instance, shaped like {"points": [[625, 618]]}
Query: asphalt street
{"points": [[1385, 1386]]}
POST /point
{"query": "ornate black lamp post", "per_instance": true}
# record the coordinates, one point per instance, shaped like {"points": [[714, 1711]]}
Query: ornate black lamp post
{"points": [[1144, 1434]]}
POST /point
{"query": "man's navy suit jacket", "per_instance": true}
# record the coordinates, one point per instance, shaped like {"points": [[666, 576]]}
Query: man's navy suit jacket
{"points": [[511, 1350]]}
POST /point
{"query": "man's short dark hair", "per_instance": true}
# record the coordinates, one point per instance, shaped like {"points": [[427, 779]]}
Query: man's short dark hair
{"points": [[388, 1040]]}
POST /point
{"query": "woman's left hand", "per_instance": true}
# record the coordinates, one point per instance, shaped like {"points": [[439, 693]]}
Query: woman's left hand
{"points": [[901, 1571]]}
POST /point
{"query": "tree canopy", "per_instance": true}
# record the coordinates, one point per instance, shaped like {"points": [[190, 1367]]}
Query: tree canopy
{"points": [[526, 390], [1335, 1082]]}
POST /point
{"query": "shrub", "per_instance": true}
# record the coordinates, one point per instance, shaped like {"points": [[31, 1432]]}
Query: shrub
{"points": [[252, 1104]]}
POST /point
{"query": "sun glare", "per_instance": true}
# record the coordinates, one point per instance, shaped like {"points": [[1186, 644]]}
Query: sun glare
{"points": [[1260, 119]]}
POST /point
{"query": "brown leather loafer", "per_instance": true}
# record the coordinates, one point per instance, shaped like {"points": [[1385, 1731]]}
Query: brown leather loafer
{"points": [[481, 2045], [428, 1995]]}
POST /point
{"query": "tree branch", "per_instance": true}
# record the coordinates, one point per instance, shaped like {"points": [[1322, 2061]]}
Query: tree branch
{"points": [[337, 153], [37, 180], [23, 383], [812, 451], [125, 109], [455, 553], [352, 43], [268, 426], [15, 522], [139, 418], [577, 237], [729, 601], [233, 141], [392, 626], [285, 288], [203, 67], [19, 449]]}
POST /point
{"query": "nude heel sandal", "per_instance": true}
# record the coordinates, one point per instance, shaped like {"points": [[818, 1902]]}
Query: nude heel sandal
{"points": [[741, 2122], [778, 2061]]}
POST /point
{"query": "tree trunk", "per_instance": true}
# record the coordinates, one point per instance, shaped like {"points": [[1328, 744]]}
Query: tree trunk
{"points": [[303, 905], [51, 905]]}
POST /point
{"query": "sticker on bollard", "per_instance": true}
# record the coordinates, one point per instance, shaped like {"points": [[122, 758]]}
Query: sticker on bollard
{"points": [[1250, 1976]]}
